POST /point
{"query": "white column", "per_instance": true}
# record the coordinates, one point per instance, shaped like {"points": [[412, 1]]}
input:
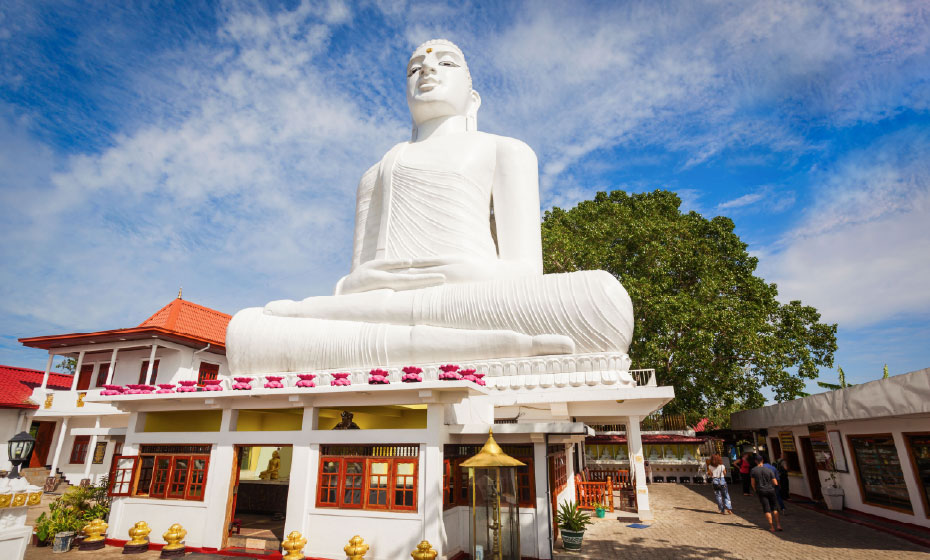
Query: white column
{"points": [[77, 371], [59, 444], [48, 368], [543, 501], [431, 467], [112, 367], [90, 450], [635, 442], [148, 373], [19, 421]]}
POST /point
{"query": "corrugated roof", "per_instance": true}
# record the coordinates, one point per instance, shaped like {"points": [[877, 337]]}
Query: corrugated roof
{"points": [[16, 385]]}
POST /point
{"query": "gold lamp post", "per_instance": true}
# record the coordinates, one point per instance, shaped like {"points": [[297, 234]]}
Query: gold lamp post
{"points": [[495, 519]]}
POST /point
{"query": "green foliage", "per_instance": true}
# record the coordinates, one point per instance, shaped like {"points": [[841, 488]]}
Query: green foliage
{"points": [[73, 510], [703, 320], [67, 365], [834, 386], [571, 518], [885, 372]]}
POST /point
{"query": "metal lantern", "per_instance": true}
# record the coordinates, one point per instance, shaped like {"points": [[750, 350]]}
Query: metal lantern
{"points": [[19, 449], [495, 511]]}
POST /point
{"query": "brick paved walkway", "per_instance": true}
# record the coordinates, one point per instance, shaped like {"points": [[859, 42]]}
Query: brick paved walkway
{"points": [[687, 526]]}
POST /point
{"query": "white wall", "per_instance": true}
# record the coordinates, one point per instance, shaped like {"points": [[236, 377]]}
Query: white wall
{"points": [[848, 481]]}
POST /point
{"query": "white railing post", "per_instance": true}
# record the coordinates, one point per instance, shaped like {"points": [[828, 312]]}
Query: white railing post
{"points": [[59, 444], [48, 368], [148, 373], [112, 367], [90, 449], [77, 371]]}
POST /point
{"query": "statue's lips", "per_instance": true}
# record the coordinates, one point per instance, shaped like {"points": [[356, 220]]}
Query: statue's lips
{"points": [[427, 86]]}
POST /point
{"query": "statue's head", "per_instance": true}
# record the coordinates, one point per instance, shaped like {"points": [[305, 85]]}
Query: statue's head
{"points": [[347, 416], [439, 84], [275, 454]]}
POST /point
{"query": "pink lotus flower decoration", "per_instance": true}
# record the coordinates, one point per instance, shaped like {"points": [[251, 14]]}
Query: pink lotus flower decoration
{"points": [[139, 389], [274, 382], [449, 373], [378, 377], [112, 390], [165, 388], [340, 380], [187, 386], [242, 383], [479, 380], [468, 375], [212, 385], [412, 375], [306, 380]]}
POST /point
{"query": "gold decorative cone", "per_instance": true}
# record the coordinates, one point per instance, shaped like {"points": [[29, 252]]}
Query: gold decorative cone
{"points": [[491, 455]]}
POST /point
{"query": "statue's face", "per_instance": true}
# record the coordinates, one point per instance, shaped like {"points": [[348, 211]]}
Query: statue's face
{"points": [[438, 84]]}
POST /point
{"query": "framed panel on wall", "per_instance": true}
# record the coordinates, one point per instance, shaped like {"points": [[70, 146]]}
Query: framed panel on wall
{"points": [[839, 456], [878, 470], [918, 448]]}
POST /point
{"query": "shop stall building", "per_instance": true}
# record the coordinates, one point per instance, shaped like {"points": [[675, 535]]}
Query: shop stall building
{"points": [[872, 440]]}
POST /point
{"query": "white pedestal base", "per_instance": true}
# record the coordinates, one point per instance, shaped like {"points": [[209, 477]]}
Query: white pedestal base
{"points": [[13, 542]]}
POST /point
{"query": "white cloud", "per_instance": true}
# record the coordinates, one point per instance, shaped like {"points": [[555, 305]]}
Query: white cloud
{"points": [[860, 253], [766, 198]]}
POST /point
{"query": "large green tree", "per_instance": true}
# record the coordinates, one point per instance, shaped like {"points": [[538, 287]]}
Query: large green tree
{"points": [[707, 324]]}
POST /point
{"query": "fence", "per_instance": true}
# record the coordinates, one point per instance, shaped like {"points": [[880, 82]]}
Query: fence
{"points": [[590, 495]]}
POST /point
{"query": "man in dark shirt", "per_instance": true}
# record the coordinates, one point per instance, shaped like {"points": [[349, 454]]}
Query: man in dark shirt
{"points": [[764, 483]]}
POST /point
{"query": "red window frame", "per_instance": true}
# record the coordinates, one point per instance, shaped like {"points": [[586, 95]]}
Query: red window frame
{"points": [[207, 371], [448, 484], [145, 369], [122, 475], [366, 489], [79, 450], [102, 371], [174, 477]]}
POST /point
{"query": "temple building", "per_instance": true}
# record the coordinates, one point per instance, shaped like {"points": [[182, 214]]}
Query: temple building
{"points": [[155, 407]]}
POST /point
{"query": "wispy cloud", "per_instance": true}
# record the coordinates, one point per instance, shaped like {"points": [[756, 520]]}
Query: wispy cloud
{"points": [[766, 198]]}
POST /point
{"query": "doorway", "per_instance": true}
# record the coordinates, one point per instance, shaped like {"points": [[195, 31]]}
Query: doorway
{"points": [[258, 498], [43, 433], [810, 469]]}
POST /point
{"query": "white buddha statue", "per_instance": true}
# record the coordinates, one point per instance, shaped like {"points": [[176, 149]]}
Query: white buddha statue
{"points": [[447, 260]]}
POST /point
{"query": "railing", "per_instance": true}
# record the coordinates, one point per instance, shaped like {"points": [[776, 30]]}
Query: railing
{"points": [[591, 495], [601, 428], [620, 478], [644, 377]]}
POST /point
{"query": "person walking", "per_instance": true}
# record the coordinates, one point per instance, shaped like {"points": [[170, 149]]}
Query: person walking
{"points": [[717, 473], [783, 488], [778, 497], [745, 465], [764, 484]]}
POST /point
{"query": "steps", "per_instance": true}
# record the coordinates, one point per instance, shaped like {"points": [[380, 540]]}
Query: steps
{"points": [[253, 542], [35, 475]]}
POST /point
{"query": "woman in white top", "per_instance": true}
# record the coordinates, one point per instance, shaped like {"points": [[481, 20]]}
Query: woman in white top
{"points": [[717, 472]]}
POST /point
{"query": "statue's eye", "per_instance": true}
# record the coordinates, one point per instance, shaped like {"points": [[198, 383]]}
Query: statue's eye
{"points": [[448, 63], [413, 70]]}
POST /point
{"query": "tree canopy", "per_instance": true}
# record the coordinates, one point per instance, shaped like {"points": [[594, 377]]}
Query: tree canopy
{"points": [[703, 320]]}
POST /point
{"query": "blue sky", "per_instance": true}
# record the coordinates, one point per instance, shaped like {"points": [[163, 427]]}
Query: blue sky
{"points": [[218, 145]]}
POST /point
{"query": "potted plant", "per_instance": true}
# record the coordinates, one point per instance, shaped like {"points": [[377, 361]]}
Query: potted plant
{"points": [[572, 524], [600, 509], [833, 493]]}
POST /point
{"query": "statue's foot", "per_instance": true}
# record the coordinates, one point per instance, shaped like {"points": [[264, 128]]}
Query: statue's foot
{"points": [[548, 344]]}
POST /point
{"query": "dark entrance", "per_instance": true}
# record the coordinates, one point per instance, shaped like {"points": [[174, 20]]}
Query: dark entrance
{"points": [[258, 502], [810, 468], [43, 432]]}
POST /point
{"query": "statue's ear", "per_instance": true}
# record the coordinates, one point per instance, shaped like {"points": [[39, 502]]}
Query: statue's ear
{"points": [[471, 119]]}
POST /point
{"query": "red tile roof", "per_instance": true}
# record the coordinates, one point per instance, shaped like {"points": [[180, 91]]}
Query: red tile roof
{"points": [[188, 318], [16, 385], [180, 321]]}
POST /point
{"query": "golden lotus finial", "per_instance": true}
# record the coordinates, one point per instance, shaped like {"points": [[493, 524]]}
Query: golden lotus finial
{"points": [[294, 545], [94, 530], [424, 551], [356, 548], [174, 536], [139, 534]]}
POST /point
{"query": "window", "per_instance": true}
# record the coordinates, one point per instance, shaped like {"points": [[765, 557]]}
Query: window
{"points": [[918, 448], [207, 371], [145, 370], [455, 478], [878, 470], [176, 472], [102, 373], [79, 451], [371, 477]]}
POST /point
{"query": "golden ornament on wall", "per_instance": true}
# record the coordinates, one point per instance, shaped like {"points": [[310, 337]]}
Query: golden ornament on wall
{"points": [[356, 548], [5, 500], [294, 545], [80, 399], [35, 498], [48, 400], [19, 500]]}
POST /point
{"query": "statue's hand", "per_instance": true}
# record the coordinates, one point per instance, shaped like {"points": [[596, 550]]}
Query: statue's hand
{"points": [[392, 275]]}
